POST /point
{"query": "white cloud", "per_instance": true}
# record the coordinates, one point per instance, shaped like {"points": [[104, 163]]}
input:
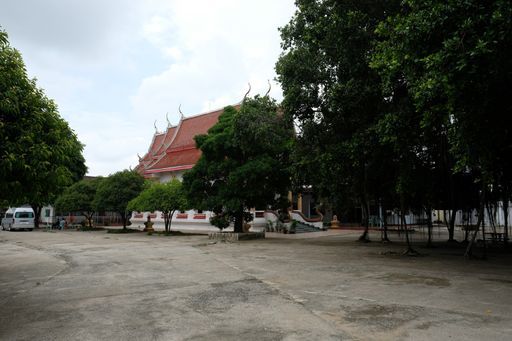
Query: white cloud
{"points": [[217, 47], [111, 143], [173, 52], [115, 66]]}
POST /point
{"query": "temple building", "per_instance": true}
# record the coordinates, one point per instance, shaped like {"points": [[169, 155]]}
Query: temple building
{"points": [[170, 154], [173, 152]]}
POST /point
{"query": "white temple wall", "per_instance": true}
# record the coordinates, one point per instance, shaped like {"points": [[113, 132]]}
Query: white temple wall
{"points": [[166, 177], [461, 217], [189, 220]]}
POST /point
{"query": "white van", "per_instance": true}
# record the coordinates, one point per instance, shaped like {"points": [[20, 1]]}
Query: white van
{"points": [[18, 218]]}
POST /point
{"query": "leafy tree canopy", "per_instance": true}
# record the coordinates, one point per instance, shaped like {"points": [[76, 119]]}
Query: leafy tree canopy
{"points": [[335, 98], [445, 67], [164, 197], [116, 191], [244, 163], [79, 197], [401, 101], [454, 59], [40, 154]]}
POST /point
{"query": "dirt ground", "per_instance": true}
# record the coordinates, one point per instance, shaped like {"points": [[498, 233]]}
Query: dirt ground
{"points": [[99, 286]]}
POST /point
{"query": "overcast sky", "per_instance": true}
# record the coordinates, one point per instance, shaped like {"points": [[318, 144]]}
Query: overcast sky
{"points": [[115, 66]]}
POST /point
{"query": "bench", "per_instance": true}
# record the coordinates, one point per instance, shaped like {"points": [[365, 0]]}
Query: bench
{"points": [[469, 228], [495, 236]]}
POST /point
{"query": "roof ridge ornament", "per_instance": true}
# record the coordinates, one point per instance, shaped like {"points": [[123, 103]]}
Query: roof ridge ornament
{"points": [[181, 114], [140, 159], [269, 88], [156, 128], [167, 118], [247, 93]]}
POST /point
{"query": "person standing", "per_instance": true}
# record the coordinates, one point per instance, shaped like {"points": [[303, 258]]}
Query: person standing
{"points": [[62, 223]]}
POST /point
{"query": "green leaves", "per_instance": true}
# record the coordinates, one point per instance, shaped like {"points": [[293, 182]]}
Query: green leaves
{"points": [[115, 192], [453, 60], [165, 197], [333, 95], [244, 162], [39, 153], [399, 97], [78, 197]]}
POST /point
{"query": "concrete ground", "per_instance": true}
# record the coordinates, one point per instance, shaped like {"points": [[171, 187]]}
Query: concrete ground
{"points": [[98, 286]]}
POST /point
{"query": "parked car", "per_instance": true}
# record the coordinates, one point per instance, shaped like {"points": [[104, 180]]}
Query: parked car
{"points": [[18, 218]]}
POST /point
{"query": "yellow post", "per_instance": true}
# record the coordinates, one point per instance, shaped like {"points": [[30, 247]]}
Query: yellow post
{"points": [[335, 224]]}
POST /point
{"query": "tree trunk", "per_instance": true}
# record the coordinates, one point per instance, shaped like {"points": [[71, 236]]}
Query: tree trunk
{"points": [[166, 222], [410, 251], [365, 205], [468, 226], [406, 230], [37, 214], [123, 219], [469, 248], [451, 228], [88, 216], [170, 219], [429, 226], [491, 214], [366, 221], [384, 236], [483, 234], [239, 221], [505, 216]]}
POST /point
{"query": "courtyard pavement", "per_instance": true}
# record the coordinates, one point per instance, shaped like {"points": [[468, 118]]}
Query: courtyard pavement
{"points": [[97, 286]]}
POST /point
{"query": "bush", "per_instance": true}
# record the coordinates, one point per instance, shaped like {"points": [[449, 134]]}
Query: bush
{"points": [[220, 220], [270, 226], [293, 226]]}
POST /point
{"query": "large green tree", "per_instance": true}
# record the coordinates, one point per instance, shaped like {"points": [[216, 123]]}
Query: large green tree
{"points": [[452, 60], [39, 153], [244, 163], [79, 197], [335, 98], [164, 197], [116, 191]]}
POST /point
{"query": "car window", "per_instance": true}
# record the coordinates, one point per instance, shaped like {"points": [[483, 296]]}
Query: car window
{"points": [[24, 215], [8, 215]]}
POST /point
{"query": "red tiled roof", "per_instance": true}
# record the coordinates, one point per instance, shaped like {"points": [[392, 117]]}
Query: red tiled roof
{"points": [[169, 134], [176, 149], [157, 142], [155, 145], [178, 158], [192, 126]]}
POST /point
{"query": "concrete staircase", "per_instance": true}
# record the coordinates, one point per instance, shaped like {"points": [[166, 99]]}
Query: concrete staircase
{"points": [[305, 228]]}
